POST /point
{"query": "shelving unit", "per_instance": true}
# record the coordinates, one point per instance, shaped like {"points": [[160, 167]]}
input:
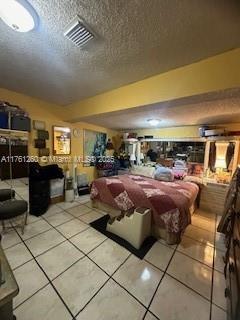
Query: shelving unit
{"points": [[9, 131]]}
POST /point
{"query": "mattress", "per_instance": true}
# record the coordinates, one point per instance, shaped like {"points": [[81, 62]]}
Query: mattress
{"points": [[169, 201]]}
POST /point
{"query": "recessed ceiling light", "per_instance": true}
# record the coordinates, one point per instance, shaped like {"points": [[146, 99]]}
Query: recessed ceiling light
{"points": [[153, 122], [18, 15]]}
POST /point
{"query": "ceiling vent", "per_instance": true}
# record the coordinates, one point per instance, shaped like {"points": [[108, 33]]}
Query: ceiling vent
{"points": [[78, 33]]}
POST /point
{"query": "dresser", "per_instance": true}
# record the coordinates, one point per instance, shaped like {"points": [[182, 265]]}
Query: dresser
{"points": [[212, 197]]}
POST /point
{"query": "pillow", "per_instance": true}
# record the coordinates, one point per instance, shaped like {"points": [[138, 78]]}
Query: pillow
{"points": [[143, 171], [179, 172], [193, 179], [164, 174], [180, 163], [195, 169]]}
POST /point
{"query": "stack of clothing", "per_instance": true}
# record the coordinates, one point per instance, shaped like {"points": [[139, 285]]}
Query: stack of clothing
{"points": [[179, 169]]}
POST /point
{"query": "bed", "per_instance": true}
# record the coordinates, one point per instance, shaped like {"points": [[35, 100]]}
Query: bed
{"points": [[171, 202]]}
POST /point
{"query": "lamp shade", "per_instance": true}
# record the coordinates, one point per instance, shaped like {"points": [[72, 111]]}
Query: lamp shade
{"points": [[221, 149], [132, 157], [220, 163]]}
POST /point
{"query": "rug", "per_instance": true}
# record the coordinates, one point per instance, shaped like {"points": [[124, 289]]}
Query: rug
{"points": [[101, 224]]}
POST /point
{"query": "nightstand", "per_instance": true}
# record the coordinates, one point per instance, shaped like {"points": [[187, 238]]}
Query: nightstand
{"points": [[213, 196]]}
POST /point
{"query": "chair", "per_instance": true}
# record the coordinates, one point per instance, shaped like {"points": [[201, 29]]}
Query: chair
{"points": [[11, 208], [6, 194]]}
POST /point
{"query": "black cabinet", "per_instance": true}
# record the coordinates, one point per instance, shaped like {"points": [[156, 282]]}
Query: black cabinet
{"points": [[19, 165]]}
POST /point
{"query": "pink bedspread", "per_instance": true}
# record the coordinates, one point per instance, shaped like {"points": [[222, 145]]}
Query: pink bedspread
{"points": [[169, 201]]}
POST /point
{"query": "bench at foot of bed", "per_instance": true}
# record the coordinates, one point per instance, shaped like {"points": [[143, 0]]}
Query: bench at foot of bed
{"points": [[159, 233], [133, 227]]}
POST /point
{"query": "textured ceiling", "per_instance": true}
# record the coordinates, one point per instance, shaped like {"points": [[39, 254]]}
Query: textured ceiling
{"points": [[212, 108], [136, 39]]}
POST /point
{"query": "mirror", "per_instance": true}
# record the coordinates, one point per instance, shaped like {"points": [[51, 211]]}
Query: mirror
{"points": [[61, 140], [188, 151]]}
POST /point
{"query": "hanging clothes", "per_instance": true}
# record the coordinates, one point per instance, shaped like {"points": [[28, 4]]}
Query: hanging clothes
{"points": [[230, 154], [212, 156]]}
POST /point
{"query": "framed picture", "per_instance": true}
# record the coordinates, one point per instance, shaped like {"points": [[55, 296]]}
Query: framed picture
{"points": [[61, 140], [94, 145]]}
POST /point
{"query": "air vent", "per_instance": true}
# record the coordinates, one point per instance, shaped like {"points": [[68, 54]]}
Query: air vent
{"points": [[78, 33]]}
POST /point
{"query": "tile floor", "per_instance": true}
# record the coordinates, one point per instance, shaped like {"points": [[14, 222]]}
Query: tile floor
{"points": [[67, 270]]}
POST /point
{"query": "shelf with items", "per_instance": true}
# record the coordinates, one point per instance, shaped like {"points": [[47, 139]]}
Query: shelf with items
{"points": [[13, 132], [221, 160]]}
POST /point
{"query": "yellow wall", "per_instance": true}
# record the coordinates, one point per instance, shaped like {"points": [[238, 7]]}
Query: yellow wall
{"points": [[52, 115], [182, 132], [216, 73]]}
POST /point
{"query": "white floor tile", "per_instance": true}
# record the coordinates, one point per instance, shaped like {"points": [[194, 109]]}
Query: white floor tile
{"points": [[58, 259], [72, 227], [159, 255], [34, 229], [218, 260], [30, 279], [67, 205], [4, 185], [58, 218], [174, 301], [52, 210], [192, 273], [203, 222], [84, 198], [78, 284], [44, 305], [109, 256], [139, 278], [90, 216], [149, 316], [219, 285], [220, 242], [205, 214], [162, 241], [200, 235], [112, 302], [10, 238], [44, 241], [89, 204], [30, 219], [18, 255], [197, 250], [218, 314], [79, 210], [88, 240], [15, 183]]}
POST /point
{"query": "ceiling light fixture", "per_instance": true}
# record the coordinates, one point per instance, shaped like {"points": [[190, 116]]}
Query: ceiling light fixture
{"points": [[18, 15], [153, 122]]}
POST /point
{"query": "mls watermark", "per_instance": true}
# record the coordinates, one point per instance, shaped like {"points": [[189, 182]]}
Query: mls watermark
{"points": [[58, 159]]}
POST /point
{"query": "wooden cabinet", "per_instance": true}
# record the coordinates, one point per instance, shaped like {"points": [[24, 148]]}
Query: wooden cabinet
{"points": [[213, 196]]}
